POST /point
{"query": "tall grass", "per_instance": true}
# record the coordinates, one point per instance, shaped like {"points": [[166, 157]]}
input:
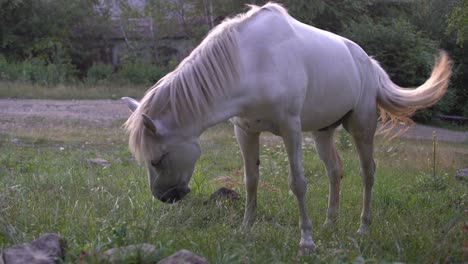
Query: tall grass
{"points": [[47, 186]]}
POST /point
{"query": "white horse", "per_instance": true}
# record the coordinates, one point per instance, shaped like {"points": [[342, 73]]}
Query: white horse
{"points": [[266, 71]]}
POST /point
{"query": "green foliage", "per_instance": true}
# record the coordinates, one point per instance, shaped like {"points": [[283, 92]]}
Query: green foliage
{"points": [[405, 54], [36, 71], [328, 15], [46, 186], [458, 21], [432, 183], [52, 41], [344, 140], [99, 72], [40, 72], [33, 28], [8, 72], [140, 73]]}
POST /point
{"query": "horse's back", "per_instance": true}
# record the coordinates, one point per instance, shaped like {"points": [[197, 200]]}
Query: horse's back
{"points": [[291, 64]]}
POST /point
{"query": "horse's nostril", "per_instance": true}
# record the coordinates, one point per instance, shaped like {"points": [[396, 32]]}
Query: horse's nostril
{"points": [[174, 195], [166, 199], [183, 190]]}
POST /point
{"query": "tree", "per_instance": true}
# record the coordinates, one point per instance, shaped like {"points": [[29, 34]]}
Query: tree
{"points": [[458, 20], [39, 28]]}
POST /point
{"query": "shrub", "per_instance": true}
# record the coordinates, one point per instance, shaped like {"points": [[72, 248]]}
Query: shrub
{"points": [[398, 46], [36, 71], [8, 71], [404, 53], [98, 72], [39, 71]]}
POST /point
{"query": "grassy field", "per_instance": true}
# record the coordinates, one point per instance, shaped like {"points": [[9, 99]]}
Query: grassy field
{"points": [[46, 185], [27, 90]]}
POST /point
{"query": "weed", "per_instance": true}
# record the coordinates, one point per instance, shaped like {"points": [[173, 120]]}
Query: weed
{"points": [[344, 140], [431, 182]]}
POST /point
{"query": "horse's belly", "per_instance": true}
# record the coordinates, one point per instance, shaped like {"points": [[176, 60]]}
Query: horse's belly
{"points": [[323, 121], [316, 116], [313, 118], [255, 125]]}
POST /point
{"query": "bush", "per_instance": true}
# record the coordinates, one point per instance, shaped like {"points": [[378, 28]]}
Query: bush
{"points": [[398, 46], [98, 72], [404, 53], [39, 71], [8, 72], [36, 71]]}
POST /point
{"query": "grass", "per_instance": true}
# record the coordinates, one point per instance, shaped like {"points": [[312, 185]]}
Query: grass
{"points": [[27, 90], [46, 185]]}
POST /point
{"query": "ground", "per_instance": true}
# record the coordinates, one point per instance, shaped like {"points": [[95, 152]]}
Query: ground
{"points": [[23, 114], [47, 184]]}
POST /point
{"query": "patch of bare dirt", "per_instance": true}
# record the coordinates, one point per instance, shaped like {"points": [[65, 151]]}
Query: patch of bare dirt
{"points": [[24, 113]]}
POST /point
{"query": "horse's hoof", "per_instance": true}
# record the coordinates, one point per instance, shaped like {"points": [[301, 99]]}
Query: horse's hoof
{"points": [[363, 230], [306, 247]]}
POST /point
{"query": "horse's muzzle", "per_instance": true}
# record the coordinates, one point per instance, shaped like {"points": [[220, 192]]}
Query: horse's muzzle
{"points": [[174, 194]]}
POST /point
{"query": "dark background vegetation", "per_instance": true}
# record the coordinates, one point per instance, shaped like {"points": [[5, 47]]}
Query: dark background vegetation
{"points": [[49, 42]]}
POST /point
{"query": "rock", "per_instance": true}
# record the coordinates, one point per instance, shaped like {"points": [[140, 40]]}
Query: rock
{"points": [[462, 174], [183, 256], [98, 161], [224, 194], [47, 249], [141, 253]]}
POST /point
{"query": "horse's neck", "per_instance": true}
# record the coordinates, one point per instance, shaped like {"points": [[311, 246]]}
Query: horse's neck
{"points": [[221, 111]]}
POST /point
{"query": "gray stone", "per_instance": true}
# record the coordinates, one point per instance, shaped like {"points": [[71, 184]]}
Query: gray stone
{"points": [[183, 257], [462, 174], [143, 253], [224, 194], [47, 249], [98, 161]]}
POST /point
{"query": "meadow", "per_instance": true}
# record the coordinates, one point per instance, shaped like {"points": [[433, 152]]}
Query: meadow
{"points": [[46, 185], [77, 90]]}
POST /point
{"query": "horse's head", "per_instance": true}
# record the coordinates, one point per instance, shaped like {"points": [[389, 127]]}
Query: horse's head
{"points": [[170, 158]]}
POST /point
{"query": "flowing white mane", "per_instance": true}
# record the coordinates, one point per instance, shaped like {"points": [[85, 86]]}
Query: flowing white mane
{"points": [[200, 79]]}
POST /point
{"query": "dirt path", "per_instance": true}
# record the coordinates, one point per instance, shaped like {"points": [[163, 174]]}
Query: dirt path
{"points": [[15, 113], [90, 110]]}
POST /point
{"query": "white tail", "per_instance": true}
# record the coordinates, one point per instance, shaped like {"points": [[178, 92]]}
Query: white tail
{"points": [[396, 104]]}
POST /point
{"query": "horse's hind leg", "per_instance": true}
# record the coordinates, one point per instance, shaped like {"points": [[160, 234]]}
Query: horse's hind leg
{"points": [[249, 146], [292, 137], [332, 162], [362, 129]]}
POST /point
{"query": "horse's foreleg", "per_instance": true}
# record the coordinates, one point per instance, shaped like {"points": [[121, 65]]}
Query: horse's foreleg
{"points": [[249, 146], [332, 162], [291, 134]]}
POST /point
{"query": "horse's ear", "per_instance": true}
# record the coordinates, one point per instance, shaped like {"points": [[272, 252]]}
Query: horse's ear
{"points": [[131, 103], [149, 124]]}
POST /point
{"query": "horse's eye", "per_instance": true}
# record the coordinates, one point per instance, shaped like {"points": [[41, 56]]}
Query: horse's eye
{"points": [[157, 163]]}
